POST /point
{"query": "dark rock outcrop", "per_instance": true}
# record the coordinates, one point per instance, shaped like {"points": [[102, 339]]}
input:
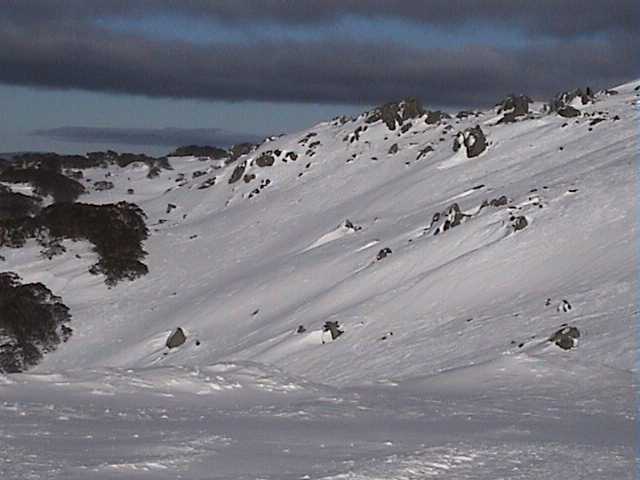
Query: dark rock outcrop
{"points": [[103, 185], [383, 253], [519, 223], [239, 150], [237, 173], [473, 140], [435, 117], [333, 328], [424, 152], [176, 339], [265, 160], [395, 114], [566, 338], [568, 112], [209, 182], [512, 107], [561, 103]]}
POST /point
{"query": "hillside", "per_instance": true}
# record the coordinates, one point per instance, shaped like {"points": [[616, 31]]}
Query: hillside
{"points": [[449, 248]]}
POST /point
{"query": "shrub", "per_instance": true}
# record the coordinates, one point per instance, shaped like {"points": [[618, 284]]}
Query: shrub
{"points": [[45, 182], [116, 231], [32, 323]]}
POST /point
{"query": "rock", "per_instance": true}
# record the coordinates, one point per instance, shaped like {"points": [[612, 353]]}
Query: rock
{"points": [[248, 177], [176, 338], [562, 102], [334, 328], [293, 156], [566, 338], [424, 151], [265, 160], [499, 202], [237, 173], [519, 223], [568, 112], [393, 149], [473, 139], [207, 183], [301, 329], [518, 104], [512, 107], [383, 253], [565, 306], [239, 150], [464, 114], [435, 117], [395, 114], [349, 225]]}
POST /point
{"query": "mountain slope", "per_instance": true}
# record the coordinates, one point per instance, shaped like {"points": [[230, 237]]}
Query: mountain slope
{"points": [[453, 318]]}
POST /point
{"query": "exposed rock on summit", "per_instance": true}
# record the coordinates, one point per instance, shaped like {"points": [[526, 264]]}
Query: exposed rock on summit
{"points": [[473, 140], [395, 114]]}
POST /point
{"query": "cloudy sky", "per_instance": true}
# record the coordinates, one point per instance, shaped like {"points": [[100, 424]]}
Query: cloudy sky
{"points": [[147, 75]]}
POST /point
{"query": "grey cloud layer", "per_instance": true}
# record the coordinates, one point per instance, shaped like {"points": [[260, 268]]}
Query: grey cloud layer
{"points": [[165, 137], [557, 17], [58, 45]]}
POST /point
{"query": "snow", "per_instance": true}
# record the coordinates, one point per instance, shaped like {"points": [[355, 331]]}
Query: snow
{"points": [[464, 385]]}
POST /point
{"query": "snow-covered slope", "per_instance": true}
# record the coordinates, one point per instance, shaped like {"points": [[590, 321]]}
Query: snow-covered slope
{"points": [[443, 369]]}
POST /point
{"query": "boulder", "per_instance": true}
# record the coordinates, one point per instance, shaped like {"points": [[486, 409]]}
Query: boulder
{"points": [[239, 150], [566, 338], [395, 114], [512, 107], [570, 100], [435, 117], [568, 112], [424, 151], [176, 338], [383, 253], [333, 328], [237, 173], [265, 160], [473, 139], [519, 223]]}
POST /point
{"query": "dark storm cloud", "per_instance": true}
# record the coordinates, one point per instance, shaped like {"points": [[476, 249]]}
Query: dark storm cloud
{"points": [[165, 137], [60, 45], [557, 17]]}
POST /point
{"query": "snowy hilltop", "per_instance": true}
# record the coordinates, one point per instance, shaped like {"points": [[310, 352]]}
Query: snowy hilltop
{"points": [[406, 294]]}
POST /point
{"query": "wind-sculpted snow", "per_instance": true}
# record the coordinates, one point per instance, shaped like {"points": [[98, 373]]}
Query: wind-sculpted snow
{"points": [[457, 283]]}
